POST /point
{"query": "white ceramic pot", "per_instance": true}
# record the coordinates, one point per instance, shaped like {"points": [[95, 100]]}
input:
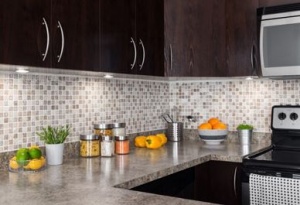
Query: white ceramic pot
{"points": [[54, 153]]}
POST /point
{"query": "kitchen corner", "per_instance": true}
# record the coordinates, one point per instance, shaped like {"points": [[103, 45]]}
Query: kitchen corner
{"points": [[94, 180]]}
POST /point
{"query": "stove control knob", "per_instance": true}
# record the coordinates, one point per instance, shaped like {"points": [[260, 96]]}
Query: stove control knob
{"points": [[294, 116], [281, 116]]}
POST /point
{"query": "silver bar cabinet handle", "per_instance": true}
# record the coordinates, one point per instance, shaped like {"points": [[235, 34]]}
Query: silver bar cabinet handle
{"points": [[48, 39], [134, 59], [62, 41], [171, 57], [144, 54], [234, 181], [251, 57]]}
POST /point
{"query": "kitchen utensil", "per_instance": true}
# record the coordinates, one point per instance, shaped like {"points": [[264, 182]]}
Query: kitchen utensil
{"points": [[175, 131], [167, 118]]}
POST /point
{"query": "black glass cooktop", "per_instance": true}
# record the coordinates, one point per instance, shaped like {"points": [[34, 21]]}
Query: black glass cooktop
{"points": [[274, 157], [280, 156]]}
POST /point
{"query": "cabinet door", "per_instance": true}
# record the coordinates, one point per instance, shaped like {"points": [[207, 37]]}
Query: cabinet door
{"points": [[118, 45], [195, 38], [150, 37], [241, 37], [218, 182], [75, 32], [24, 32], [176, 35], [263, 3]]}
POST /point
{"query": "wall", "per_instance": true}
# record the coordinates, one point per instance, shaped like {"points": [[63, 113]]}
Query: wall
{"points": [[29, 102]]}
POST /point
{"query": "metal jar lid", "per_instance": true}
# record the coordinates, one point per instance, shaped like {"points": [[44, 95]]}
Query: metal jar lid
{"points": [[89, 137], [107, 138], [121, 138], [103, 126], [119, 125]]}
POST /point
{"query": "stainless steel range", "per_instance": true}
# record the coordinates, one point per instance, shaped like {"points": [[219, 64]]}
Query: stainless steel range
{"points": [[282, 158]]}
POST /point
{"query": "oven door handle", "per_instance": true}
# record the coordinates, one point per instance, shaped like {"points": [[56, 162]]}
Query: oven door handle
{"points": [[234, 181]]}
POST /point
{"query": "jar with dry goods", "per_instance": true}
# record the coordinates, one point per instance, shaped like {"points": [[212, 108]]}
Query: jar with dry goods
{"points": [[103, 129], [122, 145], [107, 146], [119, 129], [89, 145]]}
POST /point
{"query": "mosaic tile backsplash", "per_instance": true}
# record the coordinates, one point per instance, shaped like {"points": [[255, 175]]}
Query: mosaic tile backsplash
{"points": [[234, 102], [32, 101]]}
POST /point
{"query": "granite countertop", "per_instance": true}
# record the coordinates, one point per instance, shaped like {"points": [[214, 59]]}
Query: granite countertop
{"points": [[101, 180]]}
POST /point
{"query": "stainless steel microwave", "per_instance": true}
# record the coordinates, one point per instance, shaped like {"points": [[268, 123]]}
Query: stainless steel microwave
{"points": [[279, 41]]}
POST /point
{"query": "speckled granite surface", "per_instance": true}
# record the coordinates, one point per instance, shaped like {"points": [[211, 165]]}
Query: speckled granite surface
{"points": [[93, 181]]}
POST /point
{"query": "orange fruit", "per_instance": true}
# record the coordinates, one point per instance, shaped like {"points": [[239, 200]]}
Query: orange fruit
{"points": [[205, 126], [213, 121], [219, 126]]}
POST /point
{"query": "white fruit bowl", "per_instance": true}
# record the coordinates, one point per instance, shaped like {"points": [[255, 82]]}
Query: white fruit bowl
{"points": [[213, 137]]}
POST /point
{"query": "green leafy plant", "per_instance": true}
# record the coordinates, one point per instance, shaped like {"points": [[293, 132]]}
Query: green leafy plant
{"points": [[244, 127], [54, 135]]}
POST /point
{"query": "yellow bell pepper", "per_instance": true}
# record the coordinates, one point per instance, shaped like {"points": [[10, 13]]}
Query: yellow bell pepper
{"points": [[140, 141], [163, 138], [153, 142]]}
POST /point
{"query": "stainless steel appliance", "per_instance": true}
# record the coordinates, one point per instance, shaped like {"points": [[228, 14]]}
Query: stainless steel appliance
{"points": [[282, 158], [279, 41]]}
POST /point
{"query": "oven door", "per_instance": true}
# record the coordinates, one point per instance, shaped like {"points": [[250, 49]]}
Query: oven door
{"points": [[280, 45], [265, 171]]}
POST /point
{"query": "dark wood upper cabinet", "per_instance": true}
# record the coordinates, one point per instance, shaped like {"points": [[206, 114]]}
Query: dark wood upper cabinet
{"points": [[24, 32], [210, 38], [150, 37], [50, 33], [75, 34], [194, 38], [131, 36], [241, 37], [117, 36]]}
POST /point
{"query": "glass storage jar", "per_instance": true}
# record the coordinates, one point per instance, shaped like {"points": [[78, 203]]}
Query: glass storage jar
{"points": [[107, 146], [103, 129], [119, 129], [89, 145], [122, 145]]}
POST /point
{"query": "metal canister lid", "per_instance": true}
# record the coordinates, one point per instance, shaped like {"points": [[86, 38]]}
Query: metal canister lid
{"points": [[119, 125], [121, 138], [107, 138], [89, 137], [103, 126]]}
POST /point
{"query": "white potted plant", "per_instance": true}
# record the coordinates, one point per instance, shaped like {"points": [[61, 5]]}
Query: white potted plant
{"points": [[54, 138], [245, 133]]}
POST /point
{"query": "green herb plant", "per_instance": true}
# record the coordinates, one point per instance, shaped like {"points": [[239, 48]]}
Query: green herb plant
{"points": [[54, 135], [244, 127]]}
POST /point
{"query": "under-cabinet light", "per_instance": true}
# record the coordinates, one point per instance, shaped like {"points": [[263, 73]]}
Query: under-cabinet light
{"points": [[249, 78], [108, 76], [22, 70]]}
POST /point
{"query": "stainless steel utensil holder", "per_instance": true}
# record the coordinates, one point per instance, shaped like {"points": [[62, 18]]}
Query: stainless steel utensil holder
{"points": [[175, 131]]}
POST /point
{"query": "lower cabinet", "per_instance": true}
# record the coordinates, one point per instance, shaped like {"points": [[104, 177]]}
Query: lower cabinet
{"points": [[213, 181], [218, 182]]}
